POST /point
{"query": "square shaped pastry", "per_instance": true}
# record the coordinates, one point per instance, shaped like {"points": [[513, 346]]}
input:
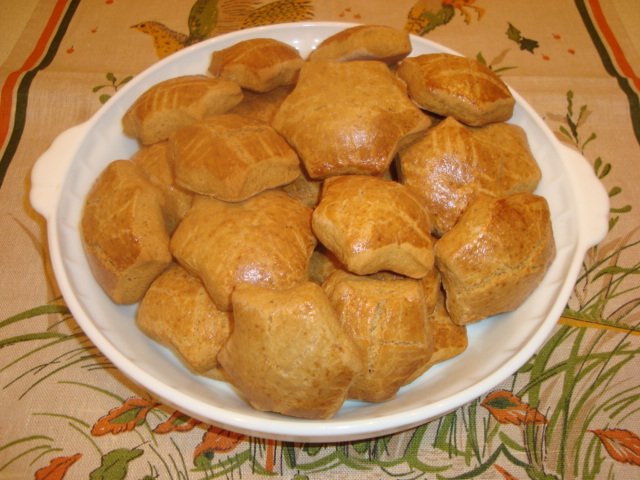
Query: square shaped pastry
{"points": [[348, 117], [364, 42], [231, 157], [371, 225], [387, 320], [124, 233], [495, 256], [460, 87], [177, 102], [288, 353], [266, 240], [258, 64]]}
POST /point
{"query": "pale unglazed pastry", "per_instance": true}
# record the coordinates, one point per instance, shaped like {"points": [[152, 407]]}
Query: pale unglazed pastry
{"points": [[371, 225], [177, 312], [364, 42], [348, 118], [123, 232], [177, 102], [258, 64], [288, 353], [387, 321], [451, 164], [266, 240], [231, 157], [460, 87], [153, 161], [495, 256]]}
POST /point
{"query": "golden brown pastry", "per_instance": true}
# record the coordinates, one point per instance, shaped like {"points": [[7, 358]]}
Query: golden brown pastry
{"points": [[371, 224], [258, 64], [266, 240], [231, 157], [348, 118], [177, 102], [431, 284], [153, 161], [123, 232], [449, 339], [177, 312], [495, 256], [322, 264], [287, 352], [459, 87], [305, 189], [515, 169], [387, 320], [262, 105], [452, 164], [364, 42]]}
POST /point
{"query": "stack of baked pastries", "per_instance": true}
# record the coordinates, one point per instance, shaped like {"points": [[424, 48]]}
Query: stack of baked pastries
{"points": [[318, 229]]}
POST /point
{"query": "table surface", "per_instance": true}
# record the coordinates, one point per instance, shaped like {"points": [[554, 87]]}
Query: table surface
{"points": [[573, 411]]}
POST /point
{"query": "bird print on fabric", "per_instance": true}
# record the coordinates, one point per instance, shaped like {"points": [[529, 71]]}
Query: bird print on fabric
{"points": [[425, 15], [208, 18]]}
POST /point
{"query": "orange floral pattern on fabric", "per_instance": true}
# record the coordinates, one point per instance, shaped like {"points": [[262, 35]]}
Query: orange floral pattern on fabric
{"points": [[508, 408], [132, 413], [218, 440], [57, 468], [177, 422], [621, 444]]}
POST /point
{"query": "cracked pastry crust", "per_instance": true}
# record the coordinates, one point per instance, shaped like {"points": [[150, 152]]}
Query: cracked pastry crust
{"points": [[288, 353], [348, 118], [494, 257], [459, 87], [371, 225]]}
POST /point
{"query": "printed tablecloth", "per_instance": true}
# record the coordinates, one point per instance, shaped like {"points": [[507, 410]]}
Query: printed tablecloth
{"points": [[572, 411]]}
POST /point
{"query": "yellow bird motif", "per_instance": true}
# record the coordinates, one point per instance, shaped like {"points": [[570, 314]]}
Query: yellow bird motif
{"points": [[165, 40], [425, 15], [208, 18], [280, 11]]}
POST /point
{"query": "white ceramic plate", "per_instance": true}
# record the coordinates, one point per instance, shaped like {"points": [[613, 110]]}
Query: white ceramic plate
{"points": [[497, 346]]}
